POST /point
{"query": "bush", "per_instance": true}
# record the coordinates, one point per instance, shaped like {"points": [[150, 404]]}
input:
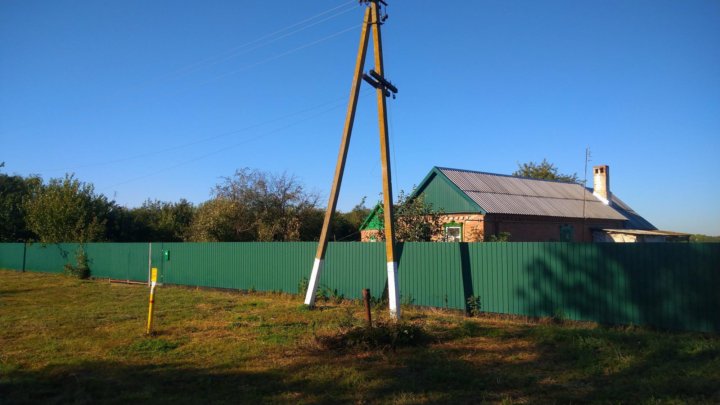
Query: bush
{"points": [[383, 336], [474, 305], [82, 270]]}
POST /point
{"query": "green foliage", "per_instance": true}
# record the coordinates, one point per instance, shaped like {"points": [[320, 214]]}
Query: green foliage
{"points": [[14, 191], [545, 171], [81, 269], [217, 220], [500, 237], [704, 238], [559, 316], [346, 226], [162, 221], [303, 286], [383, 336], [415, 220], [67, 210], [257, 206], [474, 305], [327, 294]]}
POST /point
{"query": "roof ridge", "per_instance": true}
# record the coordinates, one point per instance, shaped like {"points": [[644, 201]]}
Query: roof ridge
{"points": [[508, 175]]}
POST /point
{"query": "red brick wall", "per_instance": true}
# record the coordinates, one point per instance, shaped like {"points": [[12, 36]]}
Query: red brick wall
{"points": [[522, 228], [544, 229]]}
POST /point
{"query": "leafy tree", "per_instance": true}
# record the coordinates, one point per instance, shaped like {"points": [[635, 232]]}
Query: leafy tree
{"points": [[162, 221], [67, 210], [545, 171], [704, 238], [14, 190], [218, 220], [261, 206], [346, 225], [415, 220]]}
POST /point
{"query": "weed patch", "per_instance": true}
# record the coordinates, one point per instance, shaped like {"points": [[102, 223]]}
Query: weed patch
{"points": [[383, 336]]}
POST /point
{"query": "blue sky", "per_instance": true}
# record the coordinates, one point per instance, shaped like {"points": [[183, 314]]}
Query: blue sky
{"points": [[162, 99]]}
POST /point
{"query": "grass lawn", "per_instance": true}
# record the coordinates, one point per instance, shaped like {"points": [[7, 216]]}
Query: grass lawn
{"points": [[63, 340]]}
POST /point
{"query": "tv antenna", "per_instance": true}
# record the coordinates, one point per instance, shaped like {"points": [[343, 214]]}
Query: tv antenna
{"points": [[374, 18]]}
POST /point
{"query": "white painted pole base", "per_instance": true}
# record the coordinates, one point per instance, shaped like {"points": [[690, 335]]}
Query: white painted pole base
{"points": [[393, 290], [313, 283]]}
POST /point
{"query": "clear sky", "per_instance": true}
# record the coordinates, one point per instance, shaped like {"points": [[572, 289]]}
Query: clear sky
{"points": [[161, 99]]}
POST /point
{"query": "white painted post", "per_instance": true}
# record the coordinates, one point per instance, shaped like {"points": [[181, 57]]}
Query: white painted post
{"points": [[393, 290], [314, 280]]}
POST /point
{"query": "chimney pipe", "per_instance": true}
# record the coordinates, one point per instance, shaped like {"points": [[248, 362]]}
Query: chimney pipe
{"points": [[601, 183]]}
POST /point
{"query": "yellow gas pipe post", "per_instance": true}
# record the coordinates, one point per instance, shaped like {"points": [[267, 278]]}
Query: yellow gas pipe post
{"points": [[151, 308]]}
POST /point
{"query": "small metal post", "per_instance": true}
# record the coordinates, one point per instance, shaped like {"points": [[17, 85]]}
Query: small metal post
{"points": [[366, 299], [151, 306]]}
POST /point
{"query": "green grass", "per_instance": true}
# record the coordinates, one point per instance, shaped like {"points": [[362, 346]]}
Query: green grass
{"points": [[64, 340]]}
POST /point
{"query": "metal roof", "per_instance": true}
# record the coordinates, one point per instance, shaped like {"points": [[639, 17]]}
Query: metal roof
{"points": [[635, 221], [645, 232], [502, 194]]}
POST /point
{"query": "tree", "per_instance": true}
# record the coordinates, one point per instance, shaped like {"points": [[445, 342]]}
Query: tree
{"points": [[218, 220], [346, 225], [162, 221], [545, 171], [261, 206], [14, 190], [415, 220], [67, 210]]}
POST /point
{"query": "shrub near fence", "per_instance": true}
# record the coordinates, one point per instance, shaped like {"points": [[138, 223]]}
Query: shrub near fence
{"points": [[665, 285]]}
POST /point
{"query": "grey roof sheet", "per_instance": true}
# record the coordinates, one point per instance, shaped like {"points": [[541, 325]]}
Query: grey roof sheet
{"points": [[501, 194], [635, 221]]}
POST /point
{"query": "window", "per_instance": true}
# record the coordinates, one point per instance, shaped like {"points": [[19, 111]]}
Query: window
{"points": [[453, 232], [567, 232]]}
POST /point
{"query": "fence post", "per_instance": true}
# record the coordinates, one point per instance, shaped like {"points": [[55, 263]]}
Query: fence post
{"points": [[24, 256], [368, 314]]}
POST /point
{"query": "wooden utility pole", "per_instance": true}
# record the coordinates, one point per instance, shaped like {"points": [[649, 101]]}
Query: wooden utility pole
{"points": [[384, 88]]}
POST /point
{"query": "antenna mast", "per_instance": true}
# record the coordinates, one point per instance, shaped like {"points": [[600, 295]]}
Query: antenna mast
{"points": [[587, 159]]}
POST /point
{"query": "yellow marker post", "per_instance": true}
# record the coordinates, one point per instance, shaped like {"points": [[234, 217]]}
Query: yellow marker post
{"points": [[153, 284]]}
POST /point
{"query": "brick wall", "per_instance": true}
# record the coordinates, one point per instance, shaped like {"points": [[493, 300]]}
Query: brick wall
{"points": [[522, 228], [544, 229]]}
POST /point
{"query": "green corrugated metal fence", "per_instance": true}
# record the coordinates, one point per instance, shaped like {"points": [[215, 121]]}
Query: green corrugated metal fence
{"points": [[666, 285]]}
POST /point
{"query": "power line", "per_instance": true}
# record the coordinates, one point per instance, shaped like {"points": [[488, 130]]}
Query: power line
{"points": [[260, 42], [210, 138], [280, 55], [267, 37], [215, 152]]}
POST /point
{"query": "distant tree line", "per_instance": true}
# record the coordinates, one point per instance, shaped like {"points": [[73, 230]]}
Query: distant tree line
{"points": [[251, 205]]}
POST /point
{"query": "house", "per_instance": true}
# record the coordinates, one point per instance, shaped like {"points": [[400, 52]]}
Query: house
{"points": [[477, 205]]}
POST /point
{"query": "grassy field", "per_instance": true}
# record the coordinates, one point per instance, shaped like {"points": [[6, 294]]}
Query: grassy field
{"points": [[63, 340]]}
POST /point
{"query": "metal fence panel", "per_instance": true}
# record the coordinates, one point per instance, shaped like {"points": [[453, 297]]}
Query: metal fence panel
{"points": [[665, 285], [12, 256]]}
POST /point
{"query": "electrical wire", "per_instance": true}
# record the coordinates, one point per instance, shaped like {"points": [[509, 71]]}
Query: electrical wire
{"points": [[259, 42], [199, 141], [268, 38], [226, 148], [280, 55]]}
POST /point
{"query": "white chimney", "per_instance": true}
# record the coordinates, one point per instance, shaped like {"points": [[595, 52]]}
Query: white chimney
{"points": [[601, 183]]}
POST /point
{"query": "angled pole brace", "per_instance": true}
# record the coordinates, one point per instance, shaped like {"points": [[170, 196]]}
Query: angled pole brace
{"points": [[340, 166], [384, 89]]}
